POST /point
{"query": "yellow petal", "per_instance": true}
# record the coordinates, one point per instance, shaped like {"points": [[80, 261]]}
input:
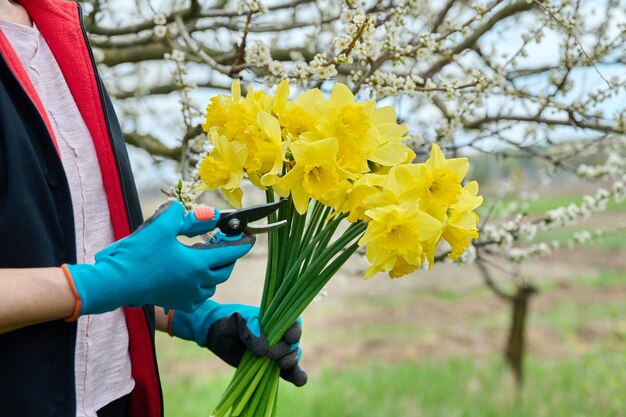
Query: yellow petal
{"points": [[459, 240], [300, 199], [472, 188], [341, 95], [390, 154], [402, 181], [459, 166], [436, 159], [430, 227], [383, 115], [282, 95], [269, 126], [402, 267], [309, 99], [371, 271], [465, 220], [429, 247], [235, 90], [270, 178], [392, 130], [233, 196], [315, 152]]}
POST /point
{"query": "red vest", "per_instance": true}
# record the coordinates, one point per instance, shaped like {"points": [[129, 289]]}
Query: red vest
{"points": [[36, 216]]}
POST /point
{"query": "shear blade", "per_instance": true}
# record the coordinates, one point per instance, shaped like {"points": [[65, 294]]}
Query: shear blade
{"points": [[255, 230]]}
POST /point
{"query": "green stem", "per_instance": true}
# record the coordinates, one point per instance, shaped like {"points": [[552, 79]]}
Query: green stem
{"points": [[313, 223], [287, 244], [295, 241], [246, 370], [280, 294], [284, 236], [315, 251], [273, 394], [272, 257], [304, 299], [264, 386], [302, 284], [300, 263], [242, 400], [319, 241]]}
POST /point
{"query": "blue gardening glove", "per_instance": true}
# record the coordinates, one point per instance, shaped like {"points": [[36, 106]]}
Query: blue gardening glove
{"points": [[229, 329], [152, 267]]}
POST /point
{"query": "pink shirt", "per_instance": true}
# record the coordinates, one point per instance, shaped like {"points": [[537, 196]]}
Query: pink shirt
{"points": [[102, 361]]}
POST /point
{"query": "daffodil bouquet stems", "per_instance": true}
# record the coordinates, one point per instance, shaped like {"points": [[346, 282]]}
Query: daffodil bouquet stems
{"points": [[350, 181], [303, 257]]}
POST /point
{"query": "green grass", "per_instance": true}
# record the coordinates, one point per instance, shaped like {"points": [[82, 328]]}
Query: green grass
{"points": [[615, 241], [603, 278], [545, 203], [582, 383], [570, 319], [539, 207], [591, 386]]}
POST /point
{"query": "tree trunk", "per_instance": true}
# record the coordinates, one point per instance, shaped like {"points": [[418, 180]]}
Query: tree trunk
{"points": [[516, 342]]}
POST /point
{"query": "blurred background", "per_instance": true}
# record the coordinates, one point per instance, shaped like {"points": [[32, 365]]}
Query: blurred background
{"points": [[532, 320]]}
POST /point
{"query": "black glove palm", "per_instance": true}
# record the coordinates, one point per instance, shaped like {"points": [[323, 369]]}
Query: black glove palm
{"points": [[229, 329]]}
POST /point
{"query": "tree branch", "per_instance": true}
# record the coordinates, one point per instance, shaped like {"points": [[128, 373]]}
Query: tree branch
{"points": [[504, 13], [442, 15], [193, 12], [490, 282], [152, 145], [537, 119], [162, 89]]}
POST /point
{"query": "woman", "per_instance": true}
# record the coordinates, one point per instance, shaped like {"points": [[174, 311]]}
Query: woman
{"points": [[77, 339]]}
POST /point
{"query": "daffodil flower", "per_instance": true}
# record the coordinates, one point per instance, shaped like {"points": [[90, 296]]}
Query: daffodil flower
{"points": [[299, 116], [397, 231], [223, 167], [353, 197], [270, 152], [315, 172], [439, 180], [350, 122], [349, 156], [460, 226]]}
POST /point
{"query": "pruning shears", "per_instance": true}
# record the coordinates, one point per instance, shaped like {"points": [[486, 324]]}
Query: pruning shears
{"points": [[230, 225]]}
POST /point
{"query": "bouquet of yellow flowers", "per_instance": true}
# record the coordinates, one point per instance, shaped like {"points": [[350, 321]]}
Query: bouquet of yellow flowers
{"points": [[337, 161]]}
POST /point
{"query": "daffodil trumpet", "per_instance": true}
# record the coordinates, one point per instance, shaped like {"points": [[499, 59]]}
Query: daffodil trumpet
{"points": [[350, 182]]}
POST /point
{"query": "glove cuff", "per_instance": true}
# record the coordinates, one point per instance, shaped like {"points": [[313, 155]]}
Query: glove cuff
{"points": [[170, 318], [78, 302], [194, 326]]}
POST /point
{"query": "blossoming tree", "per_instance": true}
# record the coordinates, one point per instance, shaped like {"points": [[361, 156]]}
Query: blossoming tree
{"points": [[517, 79]]}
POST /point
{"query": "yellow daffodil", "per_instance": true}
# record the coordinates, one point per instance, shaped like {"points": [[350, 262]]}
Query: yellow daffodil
{"points": [[350, 156], [365, 133], [350, 122], [394, 232], [270, 152], [299, 116], [461, 220], [390, 149], [224, 167], [237, 119], [216, 114], [315, 172], [403, 181], [352, 197], [439, 182]]}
